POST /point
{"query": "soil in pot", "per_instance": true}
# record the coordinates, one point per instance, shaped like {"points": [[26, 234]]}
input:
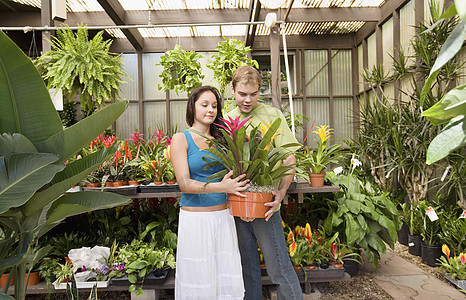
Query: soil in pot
{"points": [[403, 235], [430, 254], [414, 244]]}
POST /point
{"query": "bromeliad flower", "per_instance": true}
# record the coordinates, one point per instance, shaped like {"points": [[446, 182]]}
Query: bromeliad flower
{"points": [[166, 152], [232, 125], [293, 248], [462, 257], [446, 251], [263, 130], [297, 230], [137, 138], [324, 133], [308, 232], [290, 236]]}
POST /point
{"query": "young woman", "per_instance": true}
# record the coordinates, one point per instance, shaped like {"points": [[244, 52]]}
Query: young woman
{"points": [[208, 263]]}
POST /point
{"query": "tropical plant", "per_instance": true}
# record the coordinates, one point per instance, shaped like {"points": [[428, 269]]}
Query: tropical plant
{"points": [[454, 266], [339, 252], [363, 216], [430, 232], [82, 67], [315, 161], [231, 54], [72, 291], [33, 149], [253, 155], [451, 109], [181, 70], [453, 231], [63, 243], [48, 268]]}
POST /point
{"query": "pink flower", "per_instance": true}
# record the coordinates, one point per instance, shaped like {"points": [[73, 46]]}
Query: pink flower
{"points": [[462, 258], [136, 138], [109, 140], [159, 135], [233, 124]]}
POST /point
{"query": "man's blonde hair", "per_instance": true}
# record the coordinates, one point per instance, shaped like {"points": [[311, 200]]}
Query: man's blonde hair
{"points": [[245, 75]]}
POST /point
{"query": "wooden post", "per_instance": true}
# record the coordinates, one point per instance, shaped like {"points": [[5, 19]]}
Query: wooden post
{"points": [[275, 66]]}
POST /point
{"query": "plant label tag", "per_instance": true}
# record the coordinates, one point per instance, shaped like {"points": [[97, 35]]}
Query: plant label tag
{"points": [[463, 215], [411, 244], [430, 212]]}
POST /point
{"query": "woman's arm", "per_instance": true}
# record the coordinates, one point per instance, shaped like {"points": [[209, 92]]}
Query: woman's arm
{"points": [[179, 157]]}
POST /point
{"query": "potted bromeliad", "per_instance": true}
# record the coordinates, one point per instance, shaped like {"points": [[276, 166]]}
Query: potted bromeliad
{"points": [[315, 161], [253, 155]]}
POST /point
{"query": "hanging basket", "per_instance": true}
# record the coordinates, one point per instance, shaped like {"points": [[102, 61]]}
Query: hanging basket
{"points": [[251, 206], [317, 180]]}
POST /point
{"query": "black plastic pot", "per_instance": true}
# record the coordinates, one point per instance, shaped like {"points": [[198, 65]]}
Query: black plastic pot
{"points": [[430, 254], [403, 235], [414, 244], [351, 267]]}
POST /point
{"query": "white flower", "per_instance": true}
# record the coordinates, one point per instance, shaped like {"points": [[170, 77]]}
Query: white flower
{"points": [[355, 162], [338, 170]]}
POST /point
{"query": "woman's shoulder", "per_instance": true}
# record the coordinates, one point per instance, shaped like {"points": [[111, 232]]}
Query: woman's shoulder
{"points": [[179, 137]]}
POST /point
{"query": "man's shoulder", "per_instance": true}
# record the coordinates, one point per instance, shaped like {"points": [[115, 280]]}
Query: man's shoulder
{"points": [[268, 110], [233, 113]]}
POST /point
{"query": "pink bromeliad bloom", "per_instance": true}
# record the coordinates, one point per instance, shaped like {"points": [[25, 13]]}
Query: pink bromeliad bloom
{"points": [[233, 124], [136, 138], [109, 140]]}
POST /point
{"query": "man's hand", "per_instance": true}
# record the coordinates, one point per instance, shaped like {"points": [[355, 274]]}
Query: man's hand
{"points": [[278, 197]]}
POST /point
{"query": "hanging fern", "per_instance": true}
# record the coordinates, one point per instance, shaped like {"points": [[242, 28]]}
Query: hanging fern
{"points": [[83, 67]]}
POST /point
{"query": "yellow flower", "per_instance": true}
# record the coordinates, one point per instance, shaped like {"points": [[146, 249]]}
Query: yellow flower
{"points": [[166, 152], [297, 230], [263, 130], [293, 248], [446, 251], [290, 236], [308, 232], [324, 133], [283, 224]]}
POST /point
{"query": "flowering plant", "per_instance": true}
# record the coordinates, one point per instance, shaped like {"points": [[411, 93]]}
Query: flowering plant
{"points": [[316, 160], [253, 154], [454, 266]]}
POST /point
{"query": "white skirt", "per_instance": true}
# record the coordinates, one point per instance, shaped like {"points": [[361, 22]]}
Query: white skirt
{"points": [[208, 263]]}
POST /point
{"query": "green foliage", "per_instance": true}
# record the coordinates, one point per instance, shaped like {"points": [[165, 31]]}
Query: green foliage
{"points": [[83, 67], [63, 243], [72, 292], [453, 231], [48, 268], [231, 54], [452, 107], [254, 155], [364, 216], [68, 114], [33, 149], [181, 70]]}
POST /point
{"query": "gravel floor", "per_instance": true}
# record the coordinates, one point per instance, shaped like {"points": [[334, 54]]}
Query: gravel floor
{"points": [[361, 286]]}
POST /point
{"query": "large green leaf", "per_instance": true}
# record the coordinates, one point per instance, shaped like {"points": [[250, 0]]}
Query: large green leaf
{"points": [[82, 202], [15, 143], [82, 133], [73, 173], [452, 137], [27, 172], [25, 103], [451, 105]]}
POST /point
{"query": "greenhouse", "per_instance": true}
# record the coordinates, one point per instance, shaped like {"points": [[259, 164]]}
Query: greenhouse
{"points": [[233, 149]]}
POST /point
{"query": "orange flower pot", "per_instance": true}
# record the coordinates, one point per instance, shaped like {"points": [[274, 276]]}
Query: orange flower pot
{"points": [[251, 206], [158, 182], [93, 184], [317, 180], [171, 182], [118, 183], [109, 183], [34, 279], [133, 182]]}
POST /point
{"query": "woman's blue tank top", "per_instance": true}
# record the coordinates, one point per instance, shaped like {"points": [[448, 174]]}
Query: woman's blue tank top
{"points": [[197, 172]]}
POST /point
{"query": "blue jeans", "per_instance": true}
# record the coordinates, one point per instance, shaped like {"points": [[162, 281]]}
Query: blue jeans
{"points": [[272, 241]]}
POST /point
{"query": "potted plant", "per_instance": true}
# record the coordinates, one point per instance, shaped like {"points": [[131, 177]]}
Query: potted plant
{"points": [[431, 247], [314, 161], [181, 70], [231, 53], [455, 267], [48, 269], [253, 155]]}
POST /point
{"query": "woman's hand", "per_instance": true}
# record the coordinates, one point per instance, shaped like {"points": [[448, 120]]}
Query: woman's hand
{"points": [[235, 185]]}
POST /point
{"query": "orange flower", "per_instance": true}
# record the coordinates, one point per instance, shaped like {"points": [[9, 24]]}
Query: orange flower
{"points": [[446, 251], [308, 232], [462, 258], [293, 248], [290, 236], [283, 225], [166, 152]]}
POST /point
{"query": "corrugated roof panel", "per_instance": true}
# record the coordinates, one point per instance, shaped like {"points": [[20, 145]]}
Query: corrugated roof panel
{"points": [[152, 32], [183, 4], [116, 33]]}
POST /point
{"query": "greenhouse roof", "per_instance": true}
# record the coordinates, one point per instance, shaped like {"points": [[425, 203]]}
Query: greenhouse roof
{"points": [[210, 18]]}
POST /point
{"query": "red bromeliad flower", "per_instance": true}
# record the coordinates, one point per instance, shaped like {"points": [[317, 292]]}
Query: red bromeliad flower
{"points": [[462, 258], [159, 135], [319, 240], [297, 230], [109, 140], [233, 124], [96, 141], [334, 246]]}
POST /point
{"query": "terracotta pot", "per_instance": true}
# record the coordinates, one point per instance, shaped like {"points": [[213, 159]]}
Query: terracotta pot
{"points": [[297, 268], [311, 267], [171, 182], [118, 183], [251, 206], [317, 180], [133, 182], [337, 265], [93, 184], [158, 182], [34, 279], [109, 183]]}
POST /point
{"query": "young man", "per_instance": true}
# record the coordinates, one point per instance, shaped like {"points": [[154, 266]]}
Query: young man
{"points": [[267, 231]]}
